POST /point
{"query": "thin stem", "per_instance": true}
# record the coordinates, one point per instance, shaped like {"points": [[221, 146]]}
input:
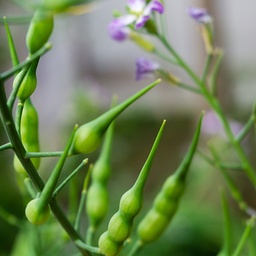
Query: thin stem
{"points": [[207, 67], [242, 134], [29, 187], [14, 91], [17, 20], [9, 126], [6, 146], [57, 190], [43, 154], [189, 88], [7, 74], [136, 248], [9, 218], [179, 60], [80, 210], [165, 57], [92, 249], [247, 231]]}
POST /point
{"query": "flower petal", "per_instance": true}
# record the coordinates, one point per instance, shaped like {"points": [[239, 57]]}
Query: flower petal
{"points": [[200, 15], [136, 6], [155, 6], [118, 29], [140, 22], [145, 67]]}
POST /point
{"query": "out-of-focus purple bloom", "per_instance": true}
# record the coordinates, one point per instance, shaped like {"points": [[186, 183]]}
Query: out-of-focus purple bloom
{"points": [[212, 125], [145, 67], [138, 13], [200, 15]]}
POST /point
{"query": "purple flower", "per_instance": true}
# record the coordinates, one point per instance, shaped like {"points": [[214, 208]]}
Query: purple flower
{"points": [[200, 15], [138, 13], [144, 68]]}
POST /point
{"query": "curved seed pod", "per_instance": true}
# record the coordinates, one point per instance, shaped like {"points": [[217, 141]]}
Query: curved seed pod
{"points": [[39, 31], [120, 225], [36, 214], [89, 136], [29, 82], [29, 135], [166, 202]]}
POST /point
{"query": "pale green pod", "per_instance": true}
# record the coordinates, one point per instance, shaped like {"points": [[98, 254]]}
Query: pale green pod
{"points": [[39, 31], [107, 246], [35, 213]]}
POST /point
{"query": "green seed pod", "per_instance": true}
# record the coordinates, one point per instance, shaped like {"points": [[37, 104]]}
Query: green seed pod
{"points": [[29, 82], [29, 135], [96, 203], [166, 202], [89, 136], [39, 30], [164, 205], [173, 187], [58, 6], [35, 213], [152, 226], [120, 225], [107, 246]]}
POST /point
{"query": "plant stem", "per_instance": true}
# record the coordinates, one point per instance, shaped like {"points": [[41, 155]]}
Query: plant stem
{"points": [[43, 154], [19, 150], [6, 146], [136, 248], [249, 226], [214, 103], [7, 74]]}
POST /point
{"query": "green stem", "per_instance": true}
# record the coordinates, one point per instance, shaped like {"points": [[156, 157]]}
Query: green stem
{"points": [[207, 67], [189, 88], [92, 249], [7, 74], [136, 248], [43, 154], [19, 150], [80, 210], [6, 146], [57, 190], [14, 91], [247, 231], [29, 187], [214, 103], [16, 20], [242, 134]]}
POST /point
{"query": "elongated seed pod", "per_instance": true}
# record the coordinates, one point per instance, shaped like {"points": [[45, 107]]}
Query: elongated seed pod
{"points": [[167, 200], [89, 136], [29, 82], [29, 135], [120, 225], [39, 31], [97, 195]]}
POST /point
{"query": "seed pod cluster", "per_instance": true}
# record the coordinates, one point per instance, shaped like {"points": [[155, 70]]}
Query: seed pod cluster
{"points": [[29, 135], [167, 201], [120, 225]]}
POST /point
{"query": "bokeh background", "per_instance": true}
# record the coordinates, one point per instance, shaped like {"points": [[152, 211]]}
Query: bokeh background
{"points": [[76, 81]]}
